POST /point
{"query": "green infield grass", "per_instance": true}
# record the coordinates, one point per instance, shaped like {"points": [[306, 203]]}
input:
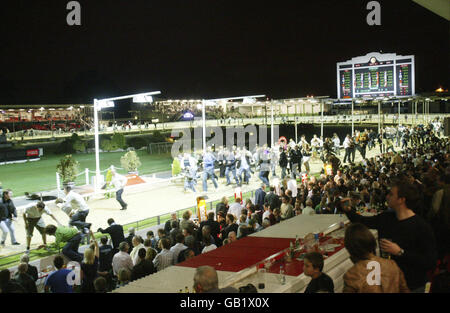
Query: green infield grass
{"points": [[40, 175]]}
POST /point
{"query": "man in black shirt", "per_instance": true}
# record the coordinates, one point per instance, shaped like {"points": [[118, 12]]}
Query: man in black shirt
{"points": [[320, 282], [272, 199], [7, 216], [411, 240], [106, 254], [222, 206], [143, 268], [214, 227], [283, 162], [116, 233]]}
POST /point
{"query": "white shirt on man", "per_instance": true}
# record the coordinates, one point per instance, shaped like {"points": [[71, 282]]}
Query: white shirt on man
{"points": [[34, 212], [346, 143], [292, 186], [235, 209], [122, 260], [209, 248], [119, 181], [134, 253], [74, 202]]}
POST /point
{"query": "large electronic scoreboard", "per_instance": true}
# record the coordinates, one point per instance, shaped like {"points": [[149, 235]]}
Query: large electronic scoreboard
{"points": [[376, 75]]}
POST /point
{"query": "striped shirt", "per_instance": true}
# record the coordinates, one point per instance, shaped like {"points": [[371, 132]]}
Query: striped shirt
{"points": [[163, 259]]}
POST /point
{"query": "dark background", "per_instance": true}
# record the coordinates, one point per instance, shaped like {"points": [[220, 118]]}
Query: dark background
{"points": [[205, 49]]}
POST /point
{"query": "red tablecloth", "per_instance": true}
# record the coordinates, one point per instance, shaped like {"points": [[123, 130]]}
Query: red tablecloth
{"points": [[250, 250], [240, 254]]}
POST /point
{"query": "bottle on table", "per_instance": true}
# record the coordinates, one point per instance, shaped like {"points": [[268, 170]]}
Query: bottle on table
{"points": [[282, 275]]}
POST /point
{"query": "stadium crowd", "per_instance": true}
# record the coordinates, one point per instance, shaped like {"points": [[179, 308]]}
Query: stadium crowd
{"points": [[404, 195]]}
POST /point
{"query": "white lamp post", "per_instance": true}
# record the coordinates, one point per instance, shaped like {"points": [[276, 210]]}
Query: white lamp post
{"points": [[107, 103], [271, 126]]}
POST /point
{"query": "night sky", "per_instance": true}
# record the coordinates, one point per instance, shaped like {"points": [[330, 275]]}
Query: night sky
{"points": [[205, 49]]}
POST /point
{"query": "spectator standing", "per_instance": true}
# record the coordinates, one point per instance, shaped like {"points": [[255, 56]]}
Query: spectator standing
{"points": [[115, 231], [411, 240], [89, 267], [235, 208], [8, 214]]}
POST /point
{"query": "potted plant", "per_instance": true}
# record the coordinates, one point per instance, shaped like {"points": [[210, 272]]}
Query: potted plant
{"points": [[68, 170], [130, 162]]}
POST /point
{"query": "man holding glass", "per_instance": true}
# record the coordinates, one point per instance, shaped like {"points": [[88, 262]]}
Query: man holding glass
{"points": [[411, 241]]}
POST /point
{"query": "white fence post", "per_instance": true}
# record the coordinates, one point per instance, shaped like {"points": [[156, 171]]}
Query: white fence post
{"points": [[87, 176]]}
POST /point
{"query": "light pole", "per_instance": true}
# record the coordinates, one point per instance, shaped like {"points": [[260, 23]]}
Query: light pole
{"points": [[379, 117], [321, 120], [353, 126], [105, 103], [271, 126]]}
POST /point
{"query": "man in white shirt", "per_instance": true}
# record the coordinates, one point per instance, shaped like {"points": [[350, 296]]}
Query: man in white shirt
{"points": [[292, 186], [267, 212], [338, 176], [236, 208], [337, 144], [244, 162], [122, 259], [137, 245], [33, 219], [77, 209], [119, 182]]}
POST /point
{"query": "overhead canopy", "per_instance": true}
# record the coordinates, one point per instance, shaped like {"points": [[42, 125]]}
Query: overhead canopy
{"points": [[439, 7]]}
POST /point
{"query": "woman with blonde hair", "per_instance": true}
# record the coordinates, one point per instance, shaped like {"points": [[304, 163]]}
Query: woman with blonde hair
{"points": [[150, 255], [89, 267], [123, 276]]}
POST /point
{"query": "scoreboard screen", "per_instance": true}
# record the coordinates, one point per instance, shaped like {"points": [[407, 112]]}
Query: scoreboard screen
{"points": [[376, 75]]}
